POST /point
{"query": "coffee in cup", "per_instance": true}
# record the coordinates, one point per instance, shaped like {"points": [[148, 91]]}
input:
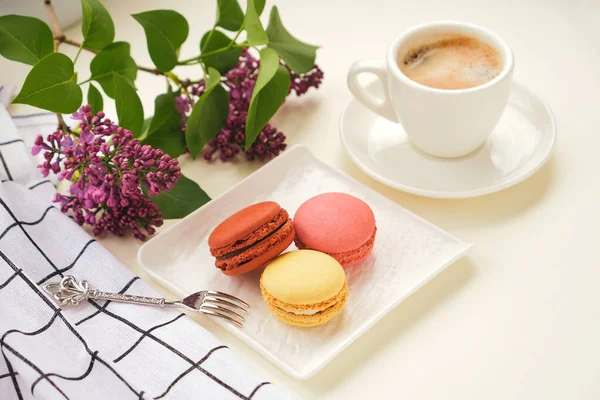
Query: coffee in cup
{"points": [[456, 62], [452, 90]]}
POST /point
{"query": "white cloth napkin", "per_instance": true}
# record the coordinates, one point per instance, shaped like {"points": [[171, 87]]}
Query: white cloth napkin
{"points": [[99, 349]]}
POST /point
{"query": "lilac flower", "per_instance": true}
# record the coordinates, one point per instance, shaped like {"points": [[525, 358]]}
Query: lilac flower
{"points": [[183, 105], [231, 140], [67, 142], [87, 136], [108, 168], [301, 83]]}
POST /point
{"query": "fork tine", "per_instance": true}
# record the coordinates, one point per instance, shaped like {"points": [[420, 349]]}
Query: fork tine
{"points": [[219, 315], [227, 311], [219, 301], [227, 296]]}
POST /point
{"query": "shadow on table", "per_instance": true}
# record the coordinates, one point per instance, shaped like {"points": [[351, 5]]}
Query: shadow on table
{"points": [[452, 214], [393, 325], [449, 214], [292, 117]]}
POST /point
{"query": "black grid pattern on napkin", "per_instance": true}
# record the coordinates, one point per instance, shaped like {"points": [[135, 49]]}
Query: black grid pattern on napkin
{"points": [[178, 353], [7, 146], [6, 170], [14, 352], [107, 302], [56, 314], [11, 142], [28, 116]]}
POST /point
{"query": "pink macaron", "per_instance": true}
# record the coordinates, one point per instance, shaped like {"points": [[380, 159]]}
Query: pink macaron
{"points": [[338, 224]]}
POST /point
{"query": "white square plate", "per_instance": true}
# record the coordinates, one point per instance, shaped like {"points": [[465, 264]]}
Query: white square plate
{"points": [[408, 252]]}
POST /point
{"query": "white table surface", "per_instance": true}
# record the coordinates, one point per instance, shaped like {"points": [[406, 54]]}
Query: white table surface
{"points": [[519, 318]]}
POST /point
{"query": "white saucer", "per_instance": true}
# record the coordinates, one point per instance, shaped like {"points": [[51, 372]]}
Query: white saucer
{"points": [[518, 147]]}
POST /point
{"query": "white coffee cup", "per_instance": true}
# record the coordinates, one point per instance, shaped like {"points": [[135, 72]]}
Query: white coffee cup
{"points": [[440, 122]]}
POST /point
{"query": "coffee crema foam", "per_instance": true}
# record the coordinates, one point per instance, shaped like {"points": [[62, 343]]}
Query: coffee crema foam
{"points": [[458, 62]]}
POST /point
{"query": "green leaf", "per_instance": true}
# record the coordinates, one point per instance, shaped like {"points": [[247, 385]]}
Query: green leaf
{"points": [[145, 127], [224, 61], [114, 58], [164, 130], [256, 33], [184, 198], [229, 15], [129, 105], [95, 99], [208, 115], [214, 78], [165, 113], [170, 140], [272, 87], [24, 39], [51, 85], [269, 61], [166, 31], [299, 56], [259, 5], [97, 26]]}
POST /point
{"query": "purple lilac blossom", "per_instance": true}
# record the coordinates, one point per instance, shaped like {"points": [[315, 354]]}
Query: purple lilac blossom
{"points": [[231, 140], [108, 167]]}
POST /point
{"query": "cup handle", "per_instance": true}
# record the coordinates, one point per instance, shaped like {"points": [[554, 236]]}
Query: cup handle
{"points": [[382, 106]]}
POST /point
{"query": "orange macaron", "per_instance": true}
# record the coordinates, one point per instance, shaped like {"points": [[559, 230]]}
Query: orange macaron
{"points": [[251, 237]]}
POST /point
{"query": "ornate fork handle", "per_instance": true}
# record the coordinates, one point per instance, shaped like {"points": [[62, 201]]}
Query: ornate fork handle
{"points": [[128, 298], [208, 302], [70, 292]]}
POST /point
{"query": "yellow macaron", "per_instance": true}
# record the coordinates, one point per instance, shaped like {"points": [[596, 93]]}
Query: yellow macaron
{"points": [[304, 287]]}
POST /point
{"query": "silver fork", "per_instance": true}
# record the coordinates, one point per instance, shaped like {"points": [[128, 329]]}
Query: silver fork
{"points": [[209, 302]]}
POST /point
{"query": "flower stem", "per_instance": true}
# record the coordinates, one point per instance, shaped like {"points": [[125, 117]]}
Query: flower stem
{"points": [[231, 45], [62, 126], [209, 36], [222, 50], [192, 62], [63, 39], [174, 78], [53, 23], [154, 71], [78, 53], [188, 60], [236, 35]]}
